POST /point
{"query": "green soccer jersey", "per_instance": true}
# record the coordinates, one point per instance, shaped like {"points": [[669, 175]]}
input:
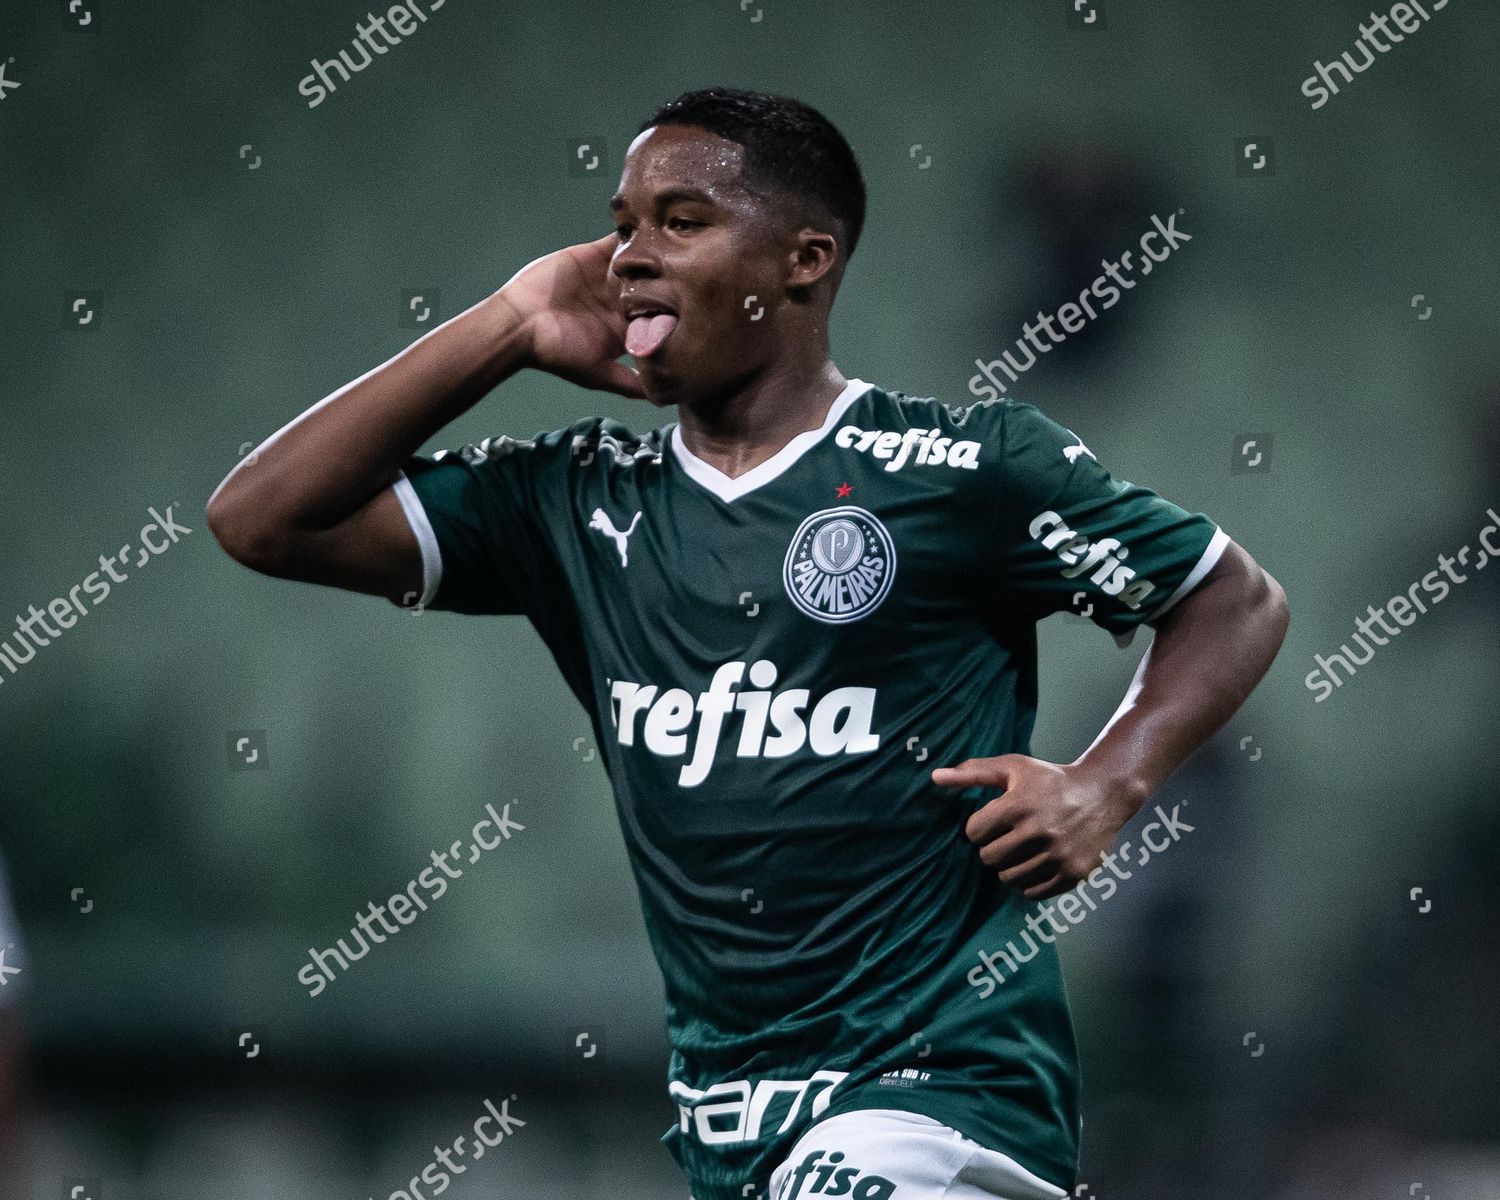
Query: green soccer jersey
{"points": [[773, 664]]}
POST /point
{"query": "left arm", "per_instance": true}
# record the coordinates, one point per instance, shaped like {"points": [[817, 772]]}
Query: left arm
{"points": [[1054, 822]]}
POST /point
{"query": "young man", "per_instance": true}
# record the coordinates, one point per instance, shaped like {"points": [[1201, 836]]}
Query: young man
{"points": [[802, 621]]}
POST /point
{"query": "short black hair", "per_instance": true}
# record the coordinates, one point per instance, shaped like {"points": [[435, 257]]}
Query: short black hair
{"points": [[789, 147]]}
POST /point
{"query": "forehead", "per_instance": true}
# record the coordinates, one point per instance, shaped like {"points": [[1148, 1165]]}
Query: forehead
{"points": [[679, 158]]}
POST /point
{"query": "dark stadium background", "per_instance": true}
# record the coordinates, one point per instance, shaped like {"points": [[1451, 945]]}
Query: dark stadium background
{"points": [[1263, 1012]]}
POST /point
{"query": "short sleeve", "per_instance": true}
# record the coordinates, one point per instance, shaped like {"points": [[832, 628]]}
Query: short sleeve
{"points": [[481, 516], [1074, 538]]}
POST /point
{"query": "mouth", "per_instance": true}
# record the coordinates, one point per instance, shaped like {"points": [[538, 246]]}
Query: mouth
{"points": [[649, 326]]}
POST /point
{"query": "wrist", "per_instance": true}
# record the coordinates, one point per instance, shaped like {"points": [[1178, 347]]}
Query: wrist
{"points": [[509, 332], [1123, 792]]}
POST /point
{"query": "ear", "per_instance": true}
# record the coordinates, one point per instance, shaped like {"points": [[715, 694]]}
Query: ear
{"points": [[813, 255]]}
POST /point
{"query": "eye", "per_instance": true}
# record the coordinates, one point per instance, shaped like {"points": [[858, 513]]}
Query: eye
{"points": [[623, 231], [683, 221]]}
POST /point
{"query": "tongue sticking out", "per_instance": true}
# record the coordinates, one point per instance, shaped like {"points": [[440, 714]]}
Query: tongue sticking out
{"points": [[644, 335]]}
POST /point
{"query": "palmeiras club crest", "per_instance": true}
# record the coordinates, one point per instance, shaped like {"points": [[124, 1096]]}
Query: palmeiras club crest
{"points": [[839, 565]]}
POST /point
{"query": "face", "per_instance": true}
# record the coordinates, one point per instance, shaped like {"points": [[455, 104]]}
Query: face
{"points": [[693, 240]]}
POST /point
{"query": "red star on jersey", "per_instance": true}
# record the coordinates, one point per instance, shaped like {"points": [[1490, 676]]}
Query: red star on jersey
{"points": [[843, 490]]}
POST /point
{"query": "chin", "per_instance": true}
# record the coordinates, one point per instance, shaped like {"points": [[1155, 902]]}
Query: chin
{"points": [[664, 387]]}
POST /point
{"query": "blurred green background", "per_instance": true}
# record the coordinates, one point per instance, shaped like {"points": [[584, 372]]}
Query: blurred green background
{"points": [[229, 297]]}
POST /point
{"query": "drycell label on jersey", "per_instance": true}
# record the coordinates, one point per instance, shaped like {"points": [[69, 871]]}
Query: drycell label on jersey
{"points": [[817, 1176], [839, 565], [1104, 558], [732, 1112], [839, 722], [931, 448]]}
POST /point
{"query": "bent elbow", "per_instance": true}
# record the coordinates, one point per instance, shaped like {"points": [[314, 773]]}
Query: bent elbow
{"points": [[1275, 601], [245, 539]]}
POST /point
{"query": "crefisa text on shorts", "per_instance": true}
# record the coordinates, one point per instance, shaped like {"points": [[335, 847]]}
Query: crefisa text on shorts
{"points": [[831, 1178]]}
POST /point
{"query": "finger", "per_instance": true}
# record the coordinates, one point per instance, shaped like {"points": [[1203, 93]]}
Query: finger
{"points": [[1030, 873], [1046, 890], [1015, 848], [995, 819]]}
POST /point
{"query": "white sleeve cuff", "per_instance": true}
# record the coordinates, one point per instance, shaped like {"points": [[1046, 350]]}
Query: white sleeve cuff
{"points": [[1202, 567], [416, 517]]}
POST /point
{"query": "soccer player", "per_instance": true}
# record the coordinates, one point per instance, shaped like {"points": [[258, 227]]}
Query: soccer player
{"points": [[802, 620]]}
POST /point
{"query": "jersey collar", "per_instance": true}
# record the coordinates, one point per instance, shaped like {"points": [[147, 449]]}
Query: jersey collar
{"points": [[730, 488]]}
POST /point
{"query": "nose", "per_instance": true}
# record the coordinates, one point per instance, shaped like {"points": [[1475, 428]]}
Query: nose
{"points": [[636, 259]]}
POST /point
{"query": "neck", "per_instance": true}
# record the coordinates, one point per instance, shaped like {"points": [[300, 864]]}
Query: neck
{"points": [[739, 429]]}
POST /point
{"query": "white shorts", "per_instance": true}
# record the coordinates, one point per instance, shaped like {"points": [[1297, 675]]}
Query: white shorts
{"points": [[874, 1153]]}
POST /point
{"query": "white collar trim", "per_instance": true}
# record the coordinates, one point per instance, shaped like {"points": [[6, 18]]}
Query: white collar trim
{"points": [[730, 488]]}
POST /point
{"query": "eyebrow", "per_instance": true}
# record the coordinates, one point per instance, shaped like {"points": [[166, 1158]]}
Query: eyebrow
{"points": [[617, 201]]}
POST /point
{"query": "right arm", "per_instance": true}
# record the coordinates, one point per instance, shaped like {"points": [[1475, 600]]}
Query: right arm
{"points": [[314, 501]]}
